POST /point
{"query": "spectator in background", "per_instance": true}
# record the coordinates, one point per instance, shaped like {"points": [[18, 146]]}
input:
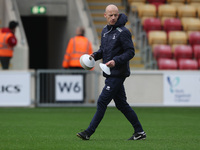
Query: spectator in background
{"points": [[77, 46], [7, 43]]}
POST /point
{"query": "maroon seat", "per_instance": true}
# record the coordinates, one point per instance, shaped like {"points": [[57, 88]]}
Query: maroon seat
{"points": [[162, 51], [183, 51], [198, 63], [167, 64], [151, 24], [172, 24], [196, 51], [194, 38], [187, 64]]}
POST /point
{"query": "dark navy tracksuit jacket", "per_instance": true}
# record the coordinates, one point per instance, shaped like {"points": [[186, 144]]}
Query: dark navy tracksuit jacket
{"points": [[117, 45]]}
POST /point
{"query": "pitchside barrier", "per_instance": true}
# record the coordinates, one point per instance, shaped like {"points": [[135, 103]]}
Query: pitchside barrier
{"points": [[66, 88]]}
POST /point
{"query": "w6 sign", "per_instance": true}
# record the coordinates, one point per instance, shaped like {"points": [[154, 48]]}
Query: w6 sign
{"points": [[69, 88]]}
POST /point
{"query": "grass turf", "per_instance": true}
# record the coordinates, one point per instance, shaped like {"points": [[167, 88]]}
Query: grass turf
{"points": [[56, 128]]}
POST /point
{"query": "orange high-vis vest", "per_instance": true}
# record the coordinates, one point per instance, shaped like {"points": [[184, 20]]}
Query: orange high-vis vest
{"points": [[5, 49], [77, 46]]}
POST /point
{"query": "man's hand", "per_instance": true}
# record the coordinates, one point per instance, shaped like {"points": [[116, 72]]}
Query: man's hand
{"points": [[111, 63], [92, 55]]}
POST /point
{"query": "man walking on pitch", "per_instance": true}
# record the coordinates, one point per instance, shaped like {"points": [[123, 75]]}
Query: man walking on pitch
{"points": [[116, 50]]}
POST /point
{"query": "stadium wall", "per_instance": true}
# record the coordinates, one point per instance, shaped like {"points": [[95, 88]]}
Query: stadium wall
{"points": [[143, 88]]}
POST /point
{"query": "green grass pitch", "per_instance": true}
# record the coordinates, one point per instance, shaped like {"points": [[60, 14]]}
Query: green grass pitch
{"points": [[56, 128]]}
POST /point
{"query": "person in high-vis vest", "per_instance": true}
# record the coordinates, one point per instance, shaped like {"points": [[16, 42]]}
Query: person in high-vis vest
{"points": [[77, 46], [7, 43]]}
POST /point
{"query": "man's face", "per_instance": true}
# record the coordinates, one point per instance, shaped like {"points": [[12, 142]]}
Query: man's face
{"points": [[111, 16]]}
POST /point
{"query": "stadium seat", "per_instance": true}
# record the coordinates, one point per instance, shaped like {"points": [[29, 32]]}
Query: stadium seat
{"points": [[157, 37], [186, 11], [190, 24], [183, 51], [135, 5], [167, 10], [194, 38], [198, 61], [151, 24], [187, 64], [196, 5], [167, 64], [176, 4], [147, 10], [162, 51], [177, 37], [180, 1], [196, 51], [172, 24]]}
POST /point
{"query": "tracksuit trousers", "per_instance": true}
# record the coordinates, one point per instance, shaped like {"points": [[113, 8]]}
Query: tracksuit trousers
{"points": [[114, 89]]}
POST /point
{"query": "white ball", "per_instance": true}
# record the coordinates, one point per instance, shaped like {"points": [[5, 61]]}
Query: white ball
{"points": [[87, 61]]}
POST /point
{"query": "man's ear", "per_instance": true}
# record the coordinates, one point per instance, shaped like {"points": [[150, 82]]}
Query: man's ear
{"points": [[105, 15]]}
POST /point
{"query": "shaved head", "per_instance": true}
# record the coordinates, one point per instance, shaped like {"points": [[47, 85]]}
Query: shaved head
{"points": [[111, 14], [111, 7]]}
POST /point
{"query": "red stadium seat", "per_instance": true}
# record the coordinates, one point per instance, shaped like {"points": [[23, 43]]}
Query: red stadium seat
{"points": [[162, 51], [172, 24], [151, 24], [183, 51], [167, 64], [187, 64], [196, 51], [194, 38], [198, 63]]}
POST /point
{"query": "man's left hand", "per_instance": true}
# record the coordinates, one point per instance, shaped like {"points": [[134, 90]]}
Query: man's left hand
{"points": [[111, 63]]}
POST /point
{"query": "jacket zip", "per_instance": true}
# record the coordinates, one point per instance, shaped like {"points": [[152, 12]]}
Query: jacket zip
{"points": [[107, 32]]}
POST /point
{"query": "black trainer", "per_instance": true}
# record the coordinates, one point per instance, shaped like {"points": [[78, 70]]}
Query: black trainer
{"points": [[138, 136], [83, 135]]}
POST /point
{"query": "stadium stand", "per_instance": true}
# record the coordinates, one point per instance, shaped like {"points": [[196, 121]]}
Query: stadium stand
{"points": [[187, 64], [172, 33], [167, 64]]}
